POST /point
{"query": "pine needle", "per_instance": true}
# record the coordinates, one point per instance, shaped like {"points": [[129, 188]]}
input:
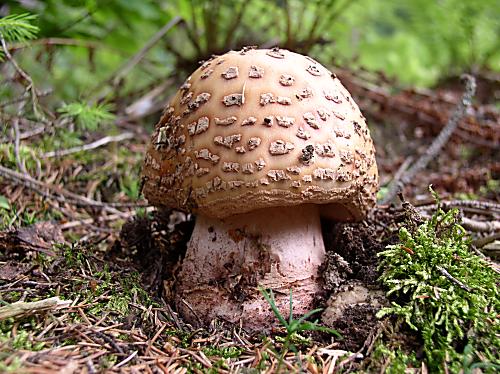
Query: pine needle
{"points": [[18, 27], [87, 116]]}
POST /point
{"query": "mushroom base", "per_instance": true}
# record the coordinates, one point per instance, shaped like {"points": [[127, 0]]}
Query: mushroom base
{"points": [[226, 260]]}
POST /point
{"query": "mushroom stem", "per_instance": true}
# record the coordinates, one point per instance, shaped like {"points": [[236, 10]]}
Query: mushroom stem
{"points": [[276, 248]]}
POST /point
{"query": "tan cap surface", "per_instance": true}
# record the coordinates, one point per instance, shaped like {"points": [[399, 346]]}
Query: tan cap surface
{"points": [[261, 128]]}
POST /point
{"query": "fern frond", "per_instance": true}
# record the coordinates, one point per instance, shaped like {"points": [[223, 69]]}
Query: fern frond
{"points": [[87, 116], [18, 27]]}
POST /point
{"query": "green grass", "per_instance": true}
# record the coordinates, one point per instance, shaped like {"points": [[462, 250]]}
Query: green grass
{"points": [[294, 326]]}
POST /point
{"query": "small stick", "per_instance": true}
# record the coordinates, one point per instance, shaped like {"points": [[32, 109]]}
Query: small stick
{"points": [[17, 144], [60, 194], [480, 226], [129, 65], [150, 44], [89, 146], [438, 143], [31, 86], [22, 308], [126, 360], [481, 242], [489, 206], [454, 280], [473, 225]]}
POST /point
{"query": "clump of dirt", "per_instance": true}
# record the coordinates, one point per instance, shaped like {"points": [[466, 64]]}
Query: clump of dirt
{"points": [[157, 245], [350, 274], [356, 324]]}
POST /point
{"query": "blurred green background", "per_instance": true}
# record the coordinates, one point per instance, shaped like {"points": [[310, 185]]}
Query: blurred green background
{"points": [[417, 42]]}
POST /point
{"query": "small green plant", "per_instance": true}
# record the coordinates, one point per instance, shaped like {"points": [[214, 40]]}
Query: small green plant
{"points": [[294, 326], [443, 291], [87, 117], [17, 28]]}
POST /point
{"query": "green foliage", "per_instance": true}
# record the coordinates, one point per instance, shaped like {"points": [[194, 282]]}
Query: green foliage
{"points": [[18, 27], [87, 117], [26, 154], [13, 218], [443, 291], [417, 42], [395, 360]]}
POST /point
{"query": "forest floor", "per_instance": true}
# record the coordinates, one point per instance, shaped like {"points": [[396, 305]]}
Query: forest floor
{"points": [[102, 274]]}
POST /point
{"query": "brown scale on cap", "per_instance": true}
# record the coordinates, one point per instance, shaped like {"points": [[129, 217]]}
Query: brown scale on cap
{"points": [[291, 114]]}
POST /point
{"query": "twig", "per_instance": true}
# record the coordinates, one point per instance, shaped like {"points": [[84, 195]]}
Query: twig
{"points": [[480, 226], [60, 194], [19, 162], [22, 308], [288, 25], [31, 86], [148, 103], [489, 206], [472, 224], [126, 360], [58, 41], [133, 61], [108, 339], [89, 146], [192, 311], [25, 135], [24, 96], [444, 272], [211, 21], [90, 221], [481, 242], [123, 70], [231, 31], [192, 32], [402, 169], [438, 143]]}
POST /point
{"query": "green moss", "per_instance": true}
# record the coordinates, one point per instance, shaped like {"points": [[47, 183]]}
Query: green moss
{"points": [[15, 365], [395, 360], [443, 291], [23, 339], [224, 352]]}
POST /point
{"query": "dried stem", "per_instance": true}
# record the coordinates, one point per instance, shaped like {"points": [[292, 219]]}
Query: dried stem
{"points": [[60, 194], [22, 308], [31, 86], [445, 273], [19, 161], [438, 143], [488, 206], [231, 31], [89, 146], [135, 59]]}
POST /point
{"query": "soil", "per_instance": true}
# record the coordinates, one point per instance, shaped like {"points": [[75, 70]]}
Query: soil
{"points": [[350, 275]]}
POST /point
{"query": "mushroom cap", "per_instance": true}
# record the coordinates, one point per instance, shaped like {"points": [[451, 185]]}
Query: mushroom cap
{"points": [[261, 128]]}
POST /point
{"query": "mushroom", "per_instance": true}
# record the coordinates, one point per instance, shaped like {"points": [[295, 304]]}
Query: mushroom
{"points": [[258, 144]]}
